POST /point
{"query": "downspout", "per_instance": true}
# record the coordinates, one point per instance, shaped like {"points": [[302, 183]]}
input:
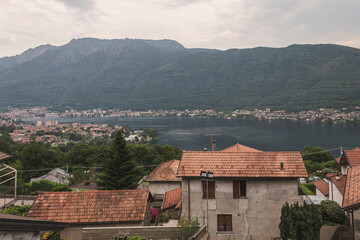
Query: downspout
{"points": [[352, 223], [188, 190], [332, 192]]}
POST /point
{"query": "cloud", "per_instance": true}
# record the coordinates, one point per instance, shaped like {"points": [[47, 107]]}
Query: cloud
{"points": [[220, 24]]}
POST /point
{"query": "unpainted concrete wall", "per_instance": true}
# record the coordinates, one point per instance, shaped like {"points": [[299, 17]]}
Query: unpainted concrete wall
{"points": [[357, 224], [255, 217], [334, 194], [320, 194], [162, 187], [12, 235]]}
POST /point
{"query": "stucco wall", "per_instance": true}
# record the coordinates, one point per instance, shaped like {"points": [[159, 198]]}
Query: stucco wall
{"points": [[162, 187], [357, 224], [334, 194], [12, 235], [255, 217], [320, 194]]}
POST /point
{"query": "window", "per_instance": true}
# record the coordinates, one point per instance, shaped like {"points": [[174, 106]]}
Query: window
{"points": [[211, 189], [224, 223], [239, 188]]}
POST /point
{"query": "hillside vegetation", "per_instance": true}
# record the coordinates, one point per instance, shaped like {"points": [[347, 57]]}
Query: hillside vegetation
{"points": [[149, 74]]}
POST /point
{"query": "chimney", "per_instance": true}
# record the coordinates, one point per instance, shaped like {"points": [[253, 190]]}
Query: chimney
{"points": [[337, 177], [205, 149], [281, 166], [213, 145]]}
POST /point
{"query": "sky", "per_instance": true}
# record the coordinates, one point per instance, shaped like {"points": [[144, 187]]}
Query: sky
{"points": [[216, 24]]}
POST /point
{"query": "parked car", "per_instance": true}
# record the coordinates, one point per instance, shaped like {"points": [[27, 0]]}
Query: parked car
{"points": [[302, 180]]}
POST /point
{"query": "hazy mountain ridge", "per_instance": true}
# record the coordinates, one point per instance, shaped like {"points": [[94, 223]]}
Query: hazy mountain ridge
{"points": [[150, 74]]}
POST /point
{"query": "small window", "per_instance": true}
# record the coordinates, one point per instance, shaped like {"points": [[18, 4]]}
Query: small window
{"points": [[239, 189], [224, 223], [211, 189]]}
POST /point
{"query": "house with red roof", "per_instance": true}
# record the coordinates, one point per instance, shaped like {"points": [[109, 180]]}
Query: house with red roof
{"points": [[172, 202], [322, 189], [164, 179], [113, 208], [245, 196]]}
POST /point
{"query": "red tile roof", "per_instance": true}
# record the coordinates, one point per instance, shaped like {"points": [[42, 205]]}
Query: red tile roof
{"points": [[4, 156], [340, 183], [322, 186], [353, 156], [91, 207], [352, 193], [172, 198], [166, 171], [240, 164], [239, 148]]}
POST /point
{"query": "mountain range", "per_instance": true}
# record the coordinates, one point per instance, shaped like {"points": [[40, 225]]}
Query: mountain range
{"points": [[163, 74]]}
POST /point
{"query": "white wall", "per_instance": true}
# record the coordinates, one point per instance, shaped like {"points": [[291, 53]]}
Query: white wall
{"points": [[162, 187], [320, 194], [334, 194], [254, 217]]}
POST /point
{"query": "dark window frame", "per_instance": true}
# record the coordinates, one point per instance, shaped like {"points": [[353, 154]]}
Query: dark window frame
{"points": [[211, 189], [224, 223], [239, 189]]}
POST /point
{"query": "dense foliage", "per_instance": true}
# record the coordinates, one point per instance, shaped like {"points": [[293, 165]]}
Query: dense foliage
{"points": [[43, 185], [332, 212], [141, 74], [16, 210], [119, 171], [300, 222], [317, 159], [83, 161]]}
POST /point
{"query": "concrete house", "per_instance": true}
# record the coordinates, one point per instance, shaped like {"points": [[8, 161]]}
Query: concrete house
{"points": [[352, 199], [246, 194], [164, 179], [56, 175], [79, 210], [322, 189]]}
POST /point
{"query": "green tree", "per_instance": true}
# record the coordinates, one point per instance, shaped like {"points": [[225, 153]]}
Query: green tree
{"points": [[300, 222], [332, 212], [80, 155], [316, 154], [119, 171]]}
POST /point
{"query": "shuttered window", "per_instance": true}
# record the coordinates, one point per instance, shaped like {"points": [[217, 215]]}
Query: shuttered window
{"points": [[224, 223], [239, 189], [211, 189]]}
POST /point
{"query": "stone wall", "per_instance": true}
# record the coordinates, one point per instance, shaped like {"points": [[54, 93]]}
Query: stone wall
{"points": [[154, 232], [255, 217], [12, 235]]}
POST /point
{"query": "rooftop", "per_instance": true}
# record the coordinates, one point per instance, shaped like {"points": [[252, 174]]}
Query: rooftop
{"points": [[352, 192], [242, 164], [353, 156], [322, 186], [91, 206], [172, 198], [166, 171], [239, 148], [339, 183], [4, 156]]}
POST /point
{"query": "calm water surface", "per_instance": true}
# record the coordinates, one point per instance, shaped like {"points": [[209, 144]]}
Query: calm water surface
{"points": [[194, 134]]}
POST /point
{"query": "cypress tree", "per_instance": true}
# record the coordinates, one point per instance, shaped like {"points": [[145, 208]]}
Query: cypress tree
{"points": [[119, 171]]}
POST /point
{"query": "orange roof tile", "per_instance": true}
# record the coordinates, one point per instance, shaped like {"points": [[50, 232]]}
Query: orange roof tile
{"points": [[91, 206], [240, 148], [172, 198], [353, 156], [4, 156], [240, 164], [340, 183], [166, 171], [352, 192], [322, 186]]}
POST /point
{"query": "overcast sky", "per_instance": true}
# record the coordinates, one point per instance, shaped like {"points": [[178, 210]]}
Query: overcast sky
{"points": [[220, 24]]}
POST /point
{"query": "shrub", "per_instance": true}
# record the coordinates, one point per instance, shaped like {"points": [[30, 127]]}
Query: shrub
{"points": [[332, 212], [306, 190], [188, 228], [44, 185], [300, 222], [17, 210]]}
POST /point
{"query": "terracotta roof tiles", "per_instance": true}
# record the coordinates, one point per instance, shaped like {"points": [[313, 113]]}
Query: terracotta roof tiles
{"points": [[241, 164], [352, 193], [340, 183], [353, 156], [172, 198], [239, 148], [322, 186], [166, 171], [91, 206]]}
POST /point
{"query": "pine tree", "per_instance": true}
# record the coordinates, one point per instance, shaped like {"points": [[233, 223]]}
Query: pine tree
{"points": [[119, 171]]}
